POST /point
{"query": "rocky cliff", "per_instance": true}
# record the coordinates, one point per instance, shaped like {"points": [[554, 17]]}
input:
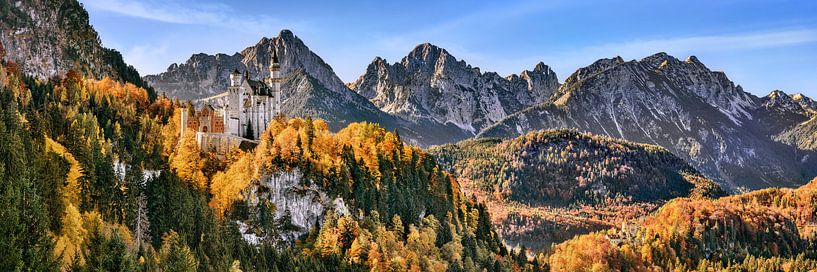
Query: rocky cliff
{"points": [[48, 38], [431, 84]]}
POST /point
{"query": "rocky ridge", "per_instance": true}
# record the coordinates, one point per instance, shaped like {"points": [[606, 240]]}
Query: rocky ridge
{"points": [[698, 114], [431, 84]]}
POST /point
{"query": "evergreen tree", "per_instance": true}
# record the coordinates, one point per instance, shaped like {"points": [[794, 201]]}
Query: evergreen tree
{"points": [[24, 243], [249, 133]]}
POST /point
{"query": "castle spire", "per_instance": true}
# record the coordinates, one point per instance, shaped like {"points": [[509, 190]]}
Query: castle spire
{"points": [[274, 81], [234, 78]]}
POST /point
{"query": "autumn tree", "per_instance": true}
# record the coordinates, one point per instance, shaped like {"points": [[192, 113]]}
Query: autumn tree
{"points": [[187, 162]]}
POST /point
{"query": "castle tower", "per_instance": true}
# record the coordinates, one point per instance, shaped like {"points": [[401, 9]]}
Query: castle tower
{"points": [[274, 82], [183, 123], [235, 78], [233, 107]]}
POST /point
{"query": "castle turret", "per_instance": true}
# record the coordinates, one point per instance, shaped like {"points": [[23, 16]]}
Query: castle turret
{"points": [[235, 78], [274, 82]]}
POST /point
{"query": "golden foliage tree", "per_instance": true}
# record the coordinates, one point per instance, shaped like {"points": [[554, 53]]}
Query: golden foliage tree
{"points": [[188, 162], [226, 187]]}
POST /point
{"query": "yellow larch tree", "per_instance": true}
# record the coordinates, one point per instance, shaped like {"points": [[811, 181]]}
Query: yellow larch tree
{"points": [[226, 186], [188, 162]]}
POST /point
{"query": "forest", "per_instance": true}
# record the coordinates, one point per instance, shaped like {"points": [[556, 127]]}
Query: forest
{"points": [[547, 186], [95, 177]]}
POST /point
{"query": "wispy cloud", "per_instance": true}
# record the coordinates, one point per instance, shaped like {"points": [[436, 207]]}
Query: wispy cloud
{"points": [[210, 14], [565, 62], [711, 43], [466, 23]]}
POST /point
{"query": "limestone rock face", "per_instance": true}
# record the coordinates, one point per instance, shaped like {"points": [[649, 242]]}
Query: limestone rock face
{"points": [[49, 38], [698, 114], [291, 195], [431, 84]]}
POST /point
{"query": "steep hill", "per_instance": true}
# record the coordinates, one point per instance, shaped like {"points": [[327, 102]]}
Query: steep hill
{"points": [[547, 186], [698, 114], [48, 38]]}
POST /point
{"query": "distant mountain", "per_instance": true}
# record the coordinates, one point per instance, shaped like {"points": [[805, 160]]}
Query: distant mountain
{"points": [[790, 119], [311, 87], [538, 186], [431, 84], [698, 114], [48, 38]]}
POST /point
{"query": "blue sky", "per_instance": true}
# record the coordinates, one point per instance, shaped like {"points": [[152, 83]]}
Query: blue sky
{"points": [[761, 45]]}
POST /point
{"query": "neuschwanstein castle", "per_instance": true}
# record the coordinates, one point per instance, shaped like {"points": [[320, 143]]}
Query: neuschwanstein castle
{"points": [[246, 109]]}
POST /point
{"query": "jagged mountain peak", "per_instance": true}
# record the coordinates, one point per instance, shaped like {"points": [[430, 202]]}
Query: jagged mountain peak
{"points": [[662, 61], [694, 60], [431, 84], [204, 75], [659, 61], [683, 106], [426, 52], [541, 67], [426, 48], [799, 96], [779, 100], [806, 102], [596, 67], [286, 34], [380, 60], [49, 38], [778, 94], [429, 58]]}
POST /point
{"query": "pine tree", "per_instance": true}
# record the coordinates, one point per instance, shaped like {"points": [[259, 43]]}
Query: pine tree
{"points": [[108, 253], [249, 133], [24, 243], [176, 256]]}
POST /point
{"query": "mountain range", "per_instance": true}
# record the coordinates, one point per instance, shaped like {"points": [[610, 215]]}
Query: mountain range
{"points": [[698, 114], [313, 87], [95, 174], [730, 135]]}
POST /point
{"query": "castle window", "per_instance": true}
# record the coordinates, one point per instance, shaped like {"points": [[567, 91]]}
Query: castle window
{"points": [[204, 129]]}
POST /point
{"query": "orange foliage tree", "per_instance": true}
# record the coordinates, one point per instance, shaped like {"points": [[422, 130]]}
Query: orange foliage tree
{"points": [[188, 162]]}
